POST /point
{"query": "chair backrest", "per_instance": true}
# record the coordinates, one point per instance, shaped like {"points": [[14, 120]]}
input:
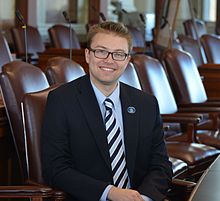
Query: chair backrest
{"points": [[62, 70], [191, 46], [16, 79], [190, 28], [33, 106], [138, 39], [130, 77], [154, 80], [34, 41], [211, 45], [5, 54], [184, 77], [60, 37]]}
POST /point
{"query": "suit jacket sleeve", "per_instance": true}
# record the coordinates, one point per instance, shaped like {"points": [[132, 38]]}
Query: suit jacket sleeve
{"points": [[157, 179]]}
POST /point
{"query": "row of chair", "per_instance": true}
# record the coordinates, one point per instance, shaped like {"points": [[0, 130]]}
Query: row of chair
{"points": [[197, 156], [59, 36], [26, 125]]}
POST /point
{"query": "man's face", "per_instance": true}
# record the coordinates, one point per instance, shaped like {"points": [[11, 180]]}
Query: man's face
{"points": [[106, 71]]}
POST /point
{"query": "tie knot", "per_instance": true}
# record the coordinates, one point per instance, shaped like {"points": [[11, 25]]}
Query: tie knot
{"points": [[108, 103]]}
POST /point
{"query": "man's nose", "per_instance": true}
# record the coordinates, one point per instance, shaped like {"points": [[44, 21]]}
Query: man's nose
{"points": [[109, 57]]}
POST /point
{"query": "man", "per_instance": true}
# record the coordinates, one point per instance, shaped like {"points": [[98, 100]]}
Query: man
{"points": [[101, 139]]}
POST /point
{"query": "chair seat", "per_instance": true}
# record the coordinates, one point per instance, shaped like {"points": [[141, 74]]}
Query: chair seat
{"points": [[179, 167], [191, 153]]}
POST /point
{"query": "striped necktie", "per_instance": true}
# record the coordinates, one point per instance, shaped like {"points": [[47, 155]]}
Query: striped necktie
{"points": [[116, 151]]}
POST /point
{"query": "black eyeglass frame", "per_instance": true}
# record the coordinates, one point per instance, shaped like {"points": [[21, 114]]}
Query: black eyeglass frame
{"points": [[108, 53]]}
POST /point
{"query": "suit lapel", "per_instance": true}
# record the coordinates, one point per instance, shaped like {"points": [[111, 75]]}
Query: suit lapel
{"points": [[130, 120], [90, 107]]}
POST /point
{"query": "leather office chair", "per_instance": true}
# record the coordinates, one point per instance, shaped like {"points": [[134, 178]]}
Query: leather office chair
{"points": [[34, 43], [183, 150], [5, 54], [62, 70], [138, 39], [191, 46], [211, 46], [140, 46], [190, 28], [35, 189], [16, 79], [189, 90], [60, 37]]}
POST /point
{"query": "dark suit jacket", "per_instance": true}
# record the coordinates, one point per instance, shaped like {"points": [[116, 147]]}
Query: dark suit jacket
{"points": [[74, 145]]}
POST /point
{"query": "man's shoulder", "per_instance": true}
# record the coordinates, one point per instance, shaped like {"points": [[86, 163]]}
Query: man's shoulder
{"points": [[135, 92], [72, 85]]}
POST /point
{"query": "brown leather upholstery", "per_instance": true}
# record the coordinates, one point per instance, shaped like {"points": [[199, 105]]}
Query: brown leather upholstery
{"points": [[138, 39], [184, 76], [211, 45], [60, 37], [179, 167], [154, 80], [189, 90], [62, 70], [183, 151], [130, 77], [33, 105], [5, 54], [190, 29], [16, 79], [191, 46], [34, 41]]}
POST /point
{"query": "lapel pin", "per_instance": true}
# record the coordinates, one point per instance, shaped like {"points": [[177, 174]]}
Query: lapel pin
{"points": [[131, 110]]}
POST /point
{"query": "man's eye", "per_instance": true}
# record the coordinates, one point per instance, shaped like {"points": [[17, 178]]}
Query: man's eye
{"points": [[119, 54], [101, 51]]}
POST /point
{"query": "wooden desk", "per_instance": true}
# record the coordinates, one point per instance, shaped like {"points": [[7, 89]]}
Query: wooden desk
{"points": [[78, 55], [208, 187]]}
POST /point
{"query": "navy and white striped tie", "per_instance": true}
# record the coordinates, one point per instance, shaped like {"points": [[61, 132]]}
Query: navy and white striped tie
{"points": [[116, 151]]}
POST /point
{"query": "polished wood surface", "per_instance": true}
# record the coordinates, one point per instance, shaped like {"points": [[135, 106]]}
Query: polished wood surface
{"points": [[210, 74], [207, 188], [78, 55]]}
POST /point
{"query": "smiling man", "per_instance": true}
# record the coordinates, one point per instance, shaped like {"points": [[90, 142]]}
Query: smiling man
{"points": [[101, 139]]}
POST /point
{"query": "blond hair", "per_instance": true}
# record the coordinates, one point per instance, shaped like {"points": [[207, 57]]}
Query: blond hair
{"points": [[116, 28]]}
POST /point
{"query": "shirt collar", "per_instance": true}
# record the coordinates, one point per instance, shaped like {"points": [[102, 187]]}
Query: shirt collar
{"points": [[101, 97]]}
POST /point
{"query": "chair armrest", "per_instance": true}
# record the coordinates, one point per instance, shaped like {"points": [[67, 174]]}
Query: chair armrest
{"points": [[181, 189], [188, 122], [176, 118], [57, 194], [200, 107], [186, 114], [25, 191]]}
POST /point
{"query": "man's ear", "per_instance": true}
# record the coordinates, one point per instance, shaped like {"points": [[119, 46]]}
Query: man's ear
{"points": [[129, 57], [87, 55]]}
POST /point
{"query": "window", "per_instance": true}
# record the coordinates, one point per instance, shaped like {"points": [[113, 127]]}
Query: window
{"points": [[7, 13], [209, 10]]}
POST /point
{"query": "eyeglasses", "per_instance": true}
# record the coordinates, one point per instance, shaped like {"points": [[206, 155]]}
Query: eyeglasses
{"points": [[103, 54]]}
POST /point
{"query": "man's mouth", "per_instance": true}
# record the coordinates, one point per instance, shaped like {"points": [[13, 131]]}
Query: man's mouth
{"points": [[107, 69]]}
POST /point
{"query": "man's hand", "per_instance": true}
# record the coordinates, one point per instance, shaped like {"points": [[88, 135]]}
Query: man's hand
{"points": [[118, 194]]}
